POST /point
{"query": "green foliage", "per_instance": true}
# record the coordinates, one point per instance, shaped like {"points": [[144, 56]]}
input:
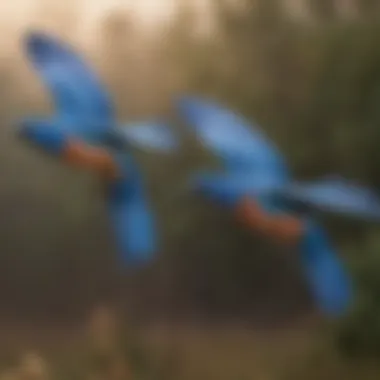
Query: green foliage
{"points": [[358, 335], [316, 92]]}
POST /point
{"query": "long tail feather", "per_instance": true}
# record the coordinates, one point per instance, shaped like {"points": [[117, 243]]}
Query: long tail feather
{"points": [[329, 281], [132, 221]]}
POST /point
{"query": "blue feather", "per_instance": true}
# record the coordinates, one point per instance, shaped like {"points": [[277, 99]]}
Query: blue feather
{"points": [[82, 104], [255, 168], [84, 109], [84, 112], [45, 134], [228, 188], [329, 281], [337, 196], [132, 220], [152, 135], [241, 147]]}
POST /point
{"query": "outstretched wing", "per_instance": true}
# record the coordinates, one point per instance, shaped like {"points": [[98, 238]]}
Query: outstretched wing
{"points": [[337, 196], [83, 106], [329, 282], [153, 136], [131, 218], [228, 188], [241, 147]]}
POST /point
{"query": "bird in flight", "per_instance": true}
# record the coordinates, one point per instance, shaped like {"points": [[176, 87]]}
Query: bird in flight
{"points": [[83, 132], [257, 187]]}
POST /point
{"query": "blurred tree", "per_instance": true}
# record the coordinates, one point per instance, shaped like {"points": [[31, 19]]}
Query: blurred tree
{"points": [[313, 90], [324, 10]]}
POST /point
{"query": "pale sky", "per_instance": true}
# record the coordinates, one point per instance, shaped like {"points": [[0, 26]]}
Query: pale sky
{"points": [[78, 21], [17, 15]]}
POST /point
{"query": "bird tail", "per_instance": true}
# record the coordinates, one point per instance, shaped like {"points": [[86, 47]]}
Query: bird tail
{"points": [[131, 219], [329, 281]]}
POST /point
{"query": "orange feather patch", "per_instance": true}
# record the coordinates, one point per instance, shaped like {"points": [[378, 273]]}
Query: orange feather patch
{"points": [[284, 228], [90, 157]]}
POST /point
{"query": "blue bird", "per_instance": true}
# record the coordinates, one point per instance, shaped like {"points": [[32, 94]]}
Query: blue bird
{"points": [[257, 186], [83, 132]]}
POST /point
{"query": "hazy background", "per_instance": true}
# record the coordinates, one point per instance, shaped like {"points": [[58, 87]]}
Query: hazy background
{"points": [[54, 217], [307, 71]]}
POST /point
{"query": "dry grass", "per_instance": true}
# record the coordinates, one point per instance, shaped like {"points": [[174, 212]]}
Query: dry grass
{"points": [[187, 353], [231, 353]]}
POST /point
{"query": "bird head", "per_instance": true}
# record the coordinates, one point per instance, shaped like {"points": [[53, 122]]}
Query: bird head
{"points": [[42, 133]]}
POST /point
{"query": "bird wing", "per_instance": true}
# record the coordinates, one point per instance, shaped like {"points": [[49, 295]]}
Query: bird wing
{"points": [[241, 147], [130, 215], [337, 196], [228, 188], [329, 282], [83, 106], [151, 135]]}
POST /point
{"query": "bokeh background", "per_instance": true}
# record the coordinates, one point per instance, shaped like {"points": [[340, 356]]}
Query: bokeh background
{"points": [[218, 303]]}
